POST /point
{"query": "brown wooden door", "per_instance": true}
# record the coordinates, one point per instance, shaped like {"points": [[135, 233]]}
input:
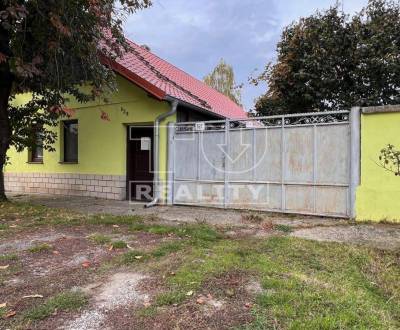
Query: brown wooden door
{"points": [[140, 163]]}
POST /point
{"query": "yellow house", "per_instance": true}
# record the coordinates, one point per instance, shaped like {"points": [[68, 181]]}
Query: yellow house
{"points": [[124, 154]]}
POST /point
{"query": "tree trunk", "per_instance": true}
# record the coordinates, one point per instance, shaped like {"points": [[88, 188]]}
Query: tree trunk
{"points": [[5, 131], [3, 196], [6, 81]]}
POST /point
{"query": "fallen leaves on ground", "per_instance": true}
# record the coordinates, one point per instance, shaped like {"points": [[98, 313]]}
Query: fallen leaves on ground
{"points": [[230, 292], [33, 296], [201, 300], [267, 226], [10, 314], [86, 264]]}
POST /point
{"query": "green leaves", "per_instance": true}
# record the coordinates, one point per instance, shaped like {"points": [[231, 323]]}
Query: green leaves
{"points": [[51, 49], [222, 78], [389, 159], [329, 61]]}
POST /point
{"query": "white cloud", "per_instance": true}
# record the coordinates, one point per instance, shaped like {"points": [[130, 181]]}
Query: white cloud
{"points": [[263, 37], [293, 10], [194, 35]]}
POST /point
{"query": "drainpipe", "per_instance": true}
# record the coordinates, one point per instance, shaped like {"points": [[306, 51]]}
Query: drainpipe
{"points": [[156, 188]]}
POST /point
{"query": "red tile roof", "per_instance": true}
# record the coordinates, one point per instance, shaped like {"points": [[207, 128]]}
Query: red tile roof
{"points": [[162, 79]]}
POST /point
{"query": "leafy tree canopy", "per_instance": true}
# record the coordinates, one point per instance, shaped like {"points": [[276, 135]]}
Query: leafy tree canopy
{"points": [[330, 61], [222, 78], [51, 48]]}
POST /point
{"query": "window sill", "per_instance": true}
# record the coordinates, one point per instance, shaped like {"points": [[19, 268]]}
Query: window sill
{"points": [[69, 163], [34, 162]]}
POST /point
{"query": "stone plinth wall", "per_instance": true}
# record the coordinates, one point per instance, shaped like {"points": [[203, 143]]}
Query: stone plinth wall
{"points": [[102, 186]]}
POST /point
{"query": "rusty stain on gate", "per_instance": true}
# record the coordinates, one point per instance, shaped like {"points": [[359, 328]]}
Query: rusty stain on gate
{"points": [[299, 163]]}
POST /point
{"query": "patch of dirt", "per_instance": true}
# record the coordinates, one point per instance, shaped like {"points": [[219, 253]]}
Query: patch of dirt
{"points": [[222, 303], [47, 273], [26, 284], [67, 252], [71, 261], [121, 289], [386, 237], [253, 287], [25, 240]]}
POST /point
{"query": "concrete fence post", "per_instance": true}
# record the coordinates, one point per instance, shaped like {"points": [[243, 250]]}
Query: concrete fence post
{"points": [[226, 163], [355, 156], [170, 164]]}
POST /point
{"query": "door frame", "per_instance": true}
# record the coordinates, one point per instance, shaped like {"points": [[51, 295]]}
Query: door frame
{"points": [[129, 126]]}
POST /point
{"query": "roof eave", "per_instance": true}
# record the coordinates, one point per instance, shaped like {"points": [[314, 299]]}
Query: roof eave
{"points": [[170, 98], [152, 89]]}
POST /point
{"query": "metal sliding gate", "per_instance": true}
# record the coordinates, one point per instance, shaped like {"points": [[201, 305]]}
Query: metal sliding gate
{"points": [[298, 163]]}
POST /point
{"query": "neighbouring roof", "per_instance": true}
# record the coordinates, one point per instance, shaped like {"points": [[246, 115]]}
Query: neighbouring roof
{"points": [[162, 79]]}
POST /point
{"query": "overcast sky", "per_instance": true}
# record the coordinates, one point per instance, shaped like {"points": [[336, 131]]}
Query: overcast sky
{"points": [[195, 34]]}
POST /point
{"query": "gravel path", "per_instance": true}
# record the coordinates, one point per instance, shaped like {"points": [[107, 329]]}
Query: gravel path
{"points": [[178, 214], [119, 290], [309, 227], [385, 237]]}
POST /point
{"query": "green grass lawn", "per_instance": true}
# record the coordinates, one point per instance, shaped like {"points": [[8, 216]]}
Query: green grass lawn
{"points": [[304, 284], [62, 302]]}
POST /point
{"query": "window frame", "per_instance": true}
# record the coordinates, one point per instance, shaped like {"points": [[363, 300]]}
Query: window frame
{"points": [[32, 157], [65, 127]]}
